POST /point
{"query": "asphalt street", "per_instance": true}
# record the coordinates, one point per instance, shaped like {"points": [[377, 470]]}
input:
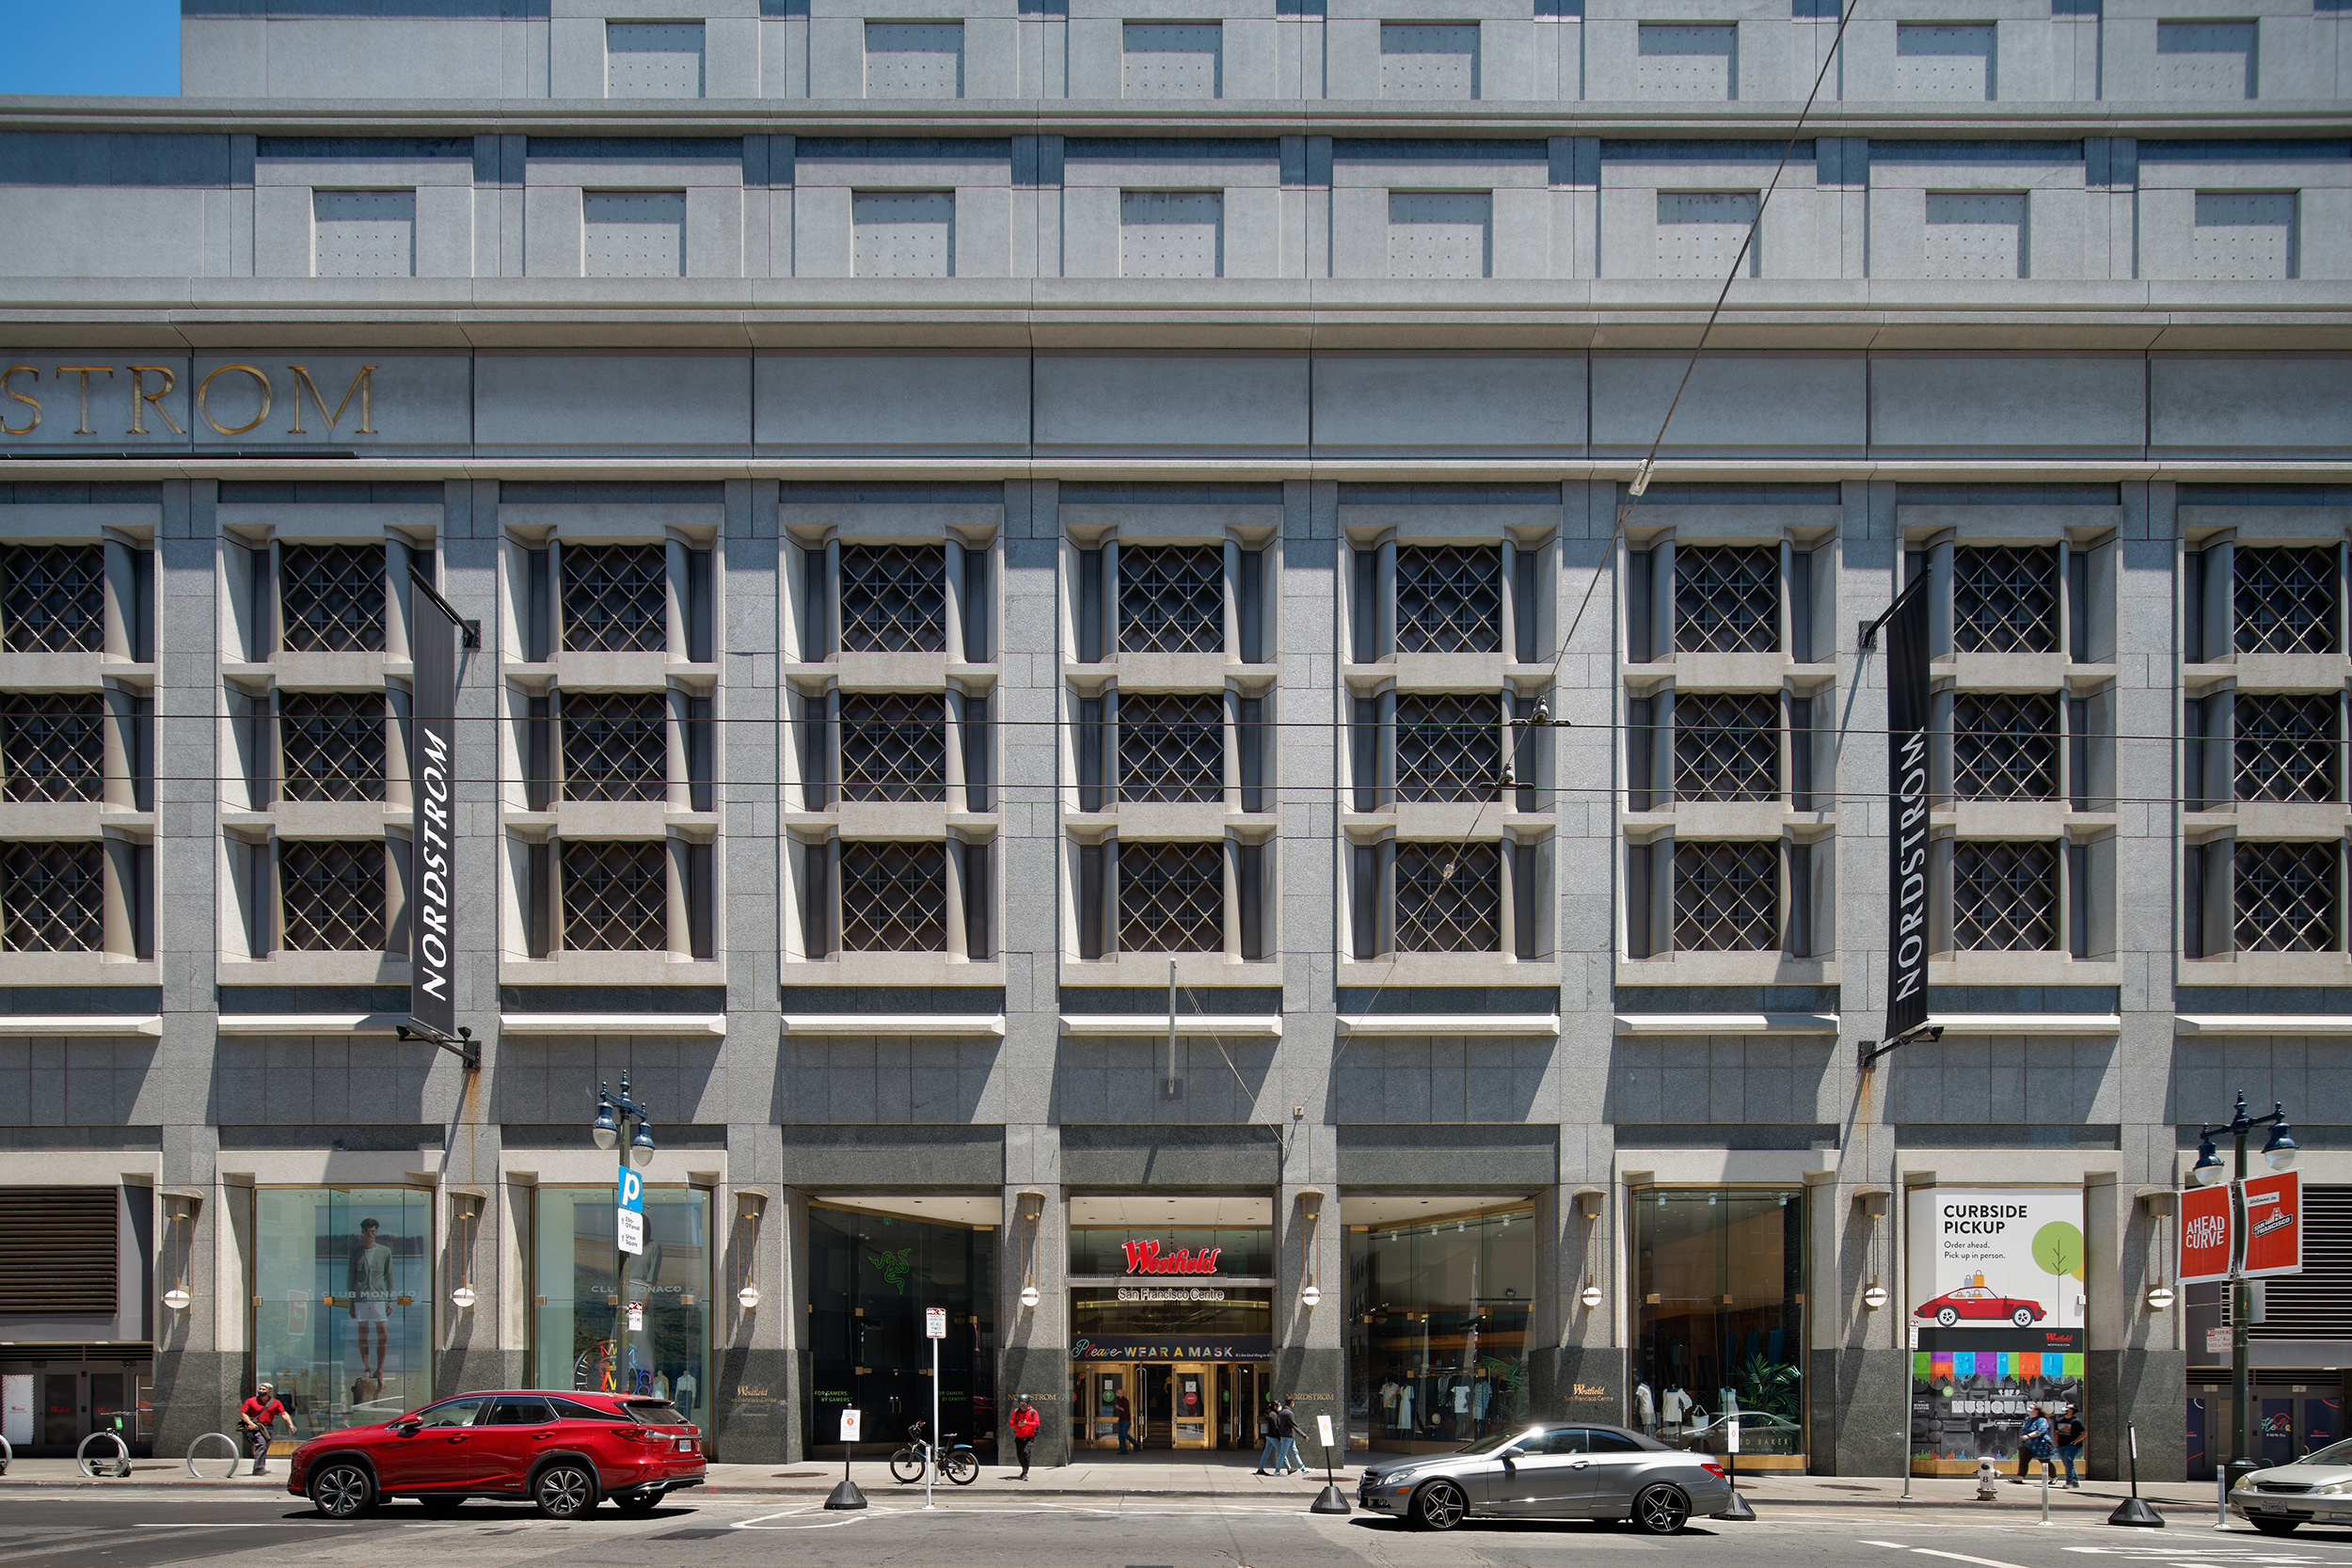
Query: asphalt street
{"points": [[128, 1530]]}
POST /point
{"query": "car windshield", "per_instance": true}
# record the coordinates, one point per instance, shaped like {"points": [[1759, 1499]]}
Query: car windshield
{"points": [[1494, 1444], [2335, 1453], [656, 1413]]}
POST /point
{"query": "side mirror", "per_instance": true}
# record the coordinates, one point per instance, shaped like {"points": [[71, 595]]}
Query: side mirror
{"points": [[408, 1429]]}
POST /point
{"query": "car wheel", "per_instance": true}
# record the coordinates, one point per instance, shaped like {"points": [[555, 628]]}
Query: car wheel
{"points": [[2274, 1526], [1946, 1316], [2022, 1316], [638, 1502], [440, 1505], [564, 1491], [342, 1490], [1439, 1506], [1660, 1511]]}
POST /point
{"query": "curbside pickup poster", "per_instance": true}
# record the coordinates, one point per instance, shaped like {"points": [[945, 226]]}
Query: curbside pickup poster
{"points": [[1996, 1296]]}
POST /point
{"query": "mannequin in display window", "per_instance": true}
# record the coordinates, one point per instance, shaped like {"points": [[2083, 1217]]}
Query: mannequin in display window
{"points": [[1674, 1408], [1645, 1408]]}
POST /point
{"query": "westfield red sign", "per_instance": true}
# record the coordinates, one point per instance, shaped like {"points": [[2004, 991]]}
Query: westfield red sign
{"points": [[1147, 1257]]}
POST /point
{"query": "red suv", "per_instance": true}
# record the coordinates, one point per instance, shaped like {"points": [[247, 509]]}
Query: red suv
{"points": [[564, 1451]]}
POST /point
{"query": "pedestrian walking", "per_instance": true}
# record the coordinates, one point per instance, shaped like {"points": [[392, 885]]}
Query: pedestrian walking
{"points": [[2070, 1434], [255, 1418], [1024, 1422], [1270, 1424], [1287, 1458], [1123, 1414], [2034, 1441]]}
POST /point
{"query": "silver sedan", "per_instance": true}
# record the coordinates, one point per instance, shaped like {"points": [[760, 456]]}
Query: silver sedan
{"points": [[1549, 1470], [2316, 1489]]}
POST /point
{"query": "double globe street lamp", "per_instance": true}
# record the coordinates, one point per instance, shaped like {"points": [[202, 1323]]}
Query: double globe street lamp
{"points": [[2279, 1153], [619, 1119]]}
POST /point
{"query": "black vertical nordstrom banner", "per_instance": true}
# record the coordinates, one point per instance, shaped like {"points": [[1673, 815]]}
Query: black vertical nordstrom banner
{"points": [[1907, 709], [432, 759]]}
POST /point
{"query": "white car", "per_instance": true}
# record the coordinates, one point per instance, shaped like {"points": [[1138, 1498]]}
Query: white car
{"points": [[2316, 1489]]}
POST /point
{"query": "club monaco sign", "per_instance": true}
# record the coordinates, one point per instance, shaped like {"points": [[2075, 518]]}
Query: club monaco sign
{"points": [[1147, 1257]]}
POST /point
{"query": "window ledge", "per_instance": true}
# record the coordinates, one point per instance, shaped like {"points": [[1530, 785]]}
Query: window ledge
{"points": [[1521, 1025], [2032, 1023], [613, 1023], [1726, 1023], [310, 1024], [893, 1024], [1155, 1025], [83, 1024], [2264, 1024]]}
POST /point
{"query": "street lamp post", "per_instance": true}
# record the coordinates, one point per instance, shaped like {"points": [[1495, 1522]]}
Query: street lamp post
{"points": [[2279, 1153], [624, 1123]]}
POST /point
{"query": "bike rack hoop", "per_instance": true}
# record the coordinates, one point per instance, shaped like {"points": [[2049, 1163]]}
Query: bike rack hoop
{"points": [[119, 1465], [234, 1454]]}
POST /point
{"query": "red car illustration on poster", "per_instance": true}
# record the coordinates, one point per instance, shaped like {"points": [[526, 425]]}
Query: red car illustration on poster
{"points": [[1978, 1302]]}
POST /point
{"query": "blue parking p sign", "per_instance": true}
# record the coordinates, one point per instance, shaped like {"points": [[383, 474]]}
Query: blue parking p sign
{"points": [[629, 1210]]}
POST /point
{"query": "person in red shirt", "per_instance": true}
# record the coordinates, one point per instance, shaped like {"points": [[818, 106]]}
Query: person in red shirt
{"points": [[255, 1418], [1023, 1421]]}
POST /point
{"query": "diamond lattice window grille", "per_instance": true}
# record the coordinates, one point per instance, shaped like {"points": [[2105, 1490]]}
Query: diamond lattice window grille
{"points": [[1448, 599], [1171, 897], [1726, 896], [2005, 599], [1727, 598], [617, 896], [331, 744], [2285, 600], [331, 598], [894, 898], [1171, 599], [2004, 898], [53, 598], [894, 747], [332, 895], [1449, 898], [2286, 746], [615, 598], [2004, 747], [52, 746], [1448, 748], [1726, 746], [616, 746], [2287, 897], [53, 898], [1172, 746], [893, 598]]}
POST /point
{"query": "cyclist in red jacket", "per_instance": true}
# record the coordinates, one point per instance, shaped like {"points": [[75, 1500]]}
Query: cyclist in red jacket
{"points": [[1024, 1423]]}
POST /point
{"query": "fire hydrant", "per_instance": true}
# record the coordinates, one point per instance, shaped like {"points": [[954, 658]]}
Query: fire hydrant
{"points": [[1988, 1480]]}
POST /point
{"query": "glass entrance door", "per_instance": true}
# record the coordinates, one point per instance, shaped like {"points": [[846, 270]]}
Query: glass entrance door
{"points": [[1193, 1421]]}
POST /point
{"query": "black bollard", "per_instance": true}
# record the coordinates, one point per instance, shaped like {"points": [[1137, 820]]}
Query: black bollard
{"points": [[2131, 1511], [846, 1496]]}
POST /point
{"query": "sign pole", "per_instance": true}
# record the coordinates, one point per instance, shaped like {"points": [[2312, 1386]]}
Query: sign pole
{"points": [[847, 1495], [2131, 1511], [934, 1329], [1330, 1499], [1739, 1511]]}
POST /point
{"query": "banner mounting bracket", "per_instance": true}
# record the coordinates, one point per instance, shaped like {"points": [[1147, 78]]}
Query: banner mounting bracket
{"points": [[1867, 1051], [469, 632], [465, 1047]]}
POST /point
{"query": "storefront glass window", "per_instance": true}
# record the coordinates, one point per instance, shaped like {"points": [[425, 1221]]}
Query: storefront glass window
{"points": [[1438, 1324], [1719, 1283], [580, 1336], [870, 1277], [342, 1287]]}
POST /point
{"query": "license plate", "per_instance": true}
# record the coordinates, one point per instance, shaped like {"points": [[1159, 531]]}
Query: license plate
{"points": [[686, 1445]]}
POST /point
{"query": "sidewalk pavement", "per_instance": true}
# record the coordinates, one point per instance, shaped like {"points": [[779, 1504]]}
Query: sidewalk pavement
{"points": [[1102, 1476]]}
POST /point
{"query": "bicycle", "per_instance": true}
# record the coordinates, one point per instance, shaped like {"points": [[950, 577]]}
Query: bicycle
{"points": [[959, 1464]]}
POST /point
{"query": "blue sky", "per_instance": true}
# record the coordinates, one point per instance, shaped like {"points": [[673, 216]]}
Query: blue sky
{"points": [[89, 46]]}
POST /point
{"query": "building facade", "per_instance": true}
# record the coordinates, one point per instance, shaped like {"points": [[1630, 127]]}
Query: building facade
{"points": [[1070, 685]]}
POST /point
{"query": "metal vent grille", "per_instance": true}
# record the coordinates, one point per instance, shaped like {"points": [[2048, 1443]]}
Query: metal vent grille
{"points": [[332, 894], [1726, 896], [62, 1249], [2309, 1306], [893, 598], [894, 898], [615, 598], [1171, 897], [53, 898], [1448, 748], [1449, 898], [1727, 599], [894, 747], [2286, 746], [1448, 599], [617, 896], [2004, 898], [1171, 599], [331, 598], [2005, 599], [1726, 747], [53, 747], [616, 746], [2004, 747], [2287, 897], [53, 599], [1171, 747], [331, 744], [2285, 600]]}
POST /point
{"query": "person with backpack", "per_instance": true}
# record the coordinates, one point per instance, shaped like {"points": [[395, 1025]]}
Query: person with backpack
{"points": [[2071, 1435], [1024, 1422]]}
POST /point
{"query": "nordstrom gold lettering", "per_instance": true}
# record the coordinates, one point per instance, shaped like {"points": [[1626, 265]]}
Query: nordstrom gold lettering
{"points": [[140, 397], [34, 403], [362, 384], [108, 370], [203, 400]]}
